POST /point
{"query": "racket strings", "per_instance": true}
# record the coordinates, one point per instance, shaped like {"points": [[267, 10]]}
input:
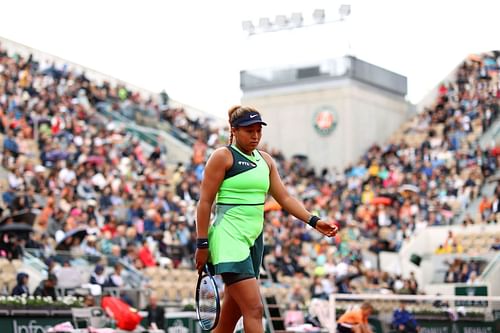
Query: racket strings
{"points": [[207, 302]]}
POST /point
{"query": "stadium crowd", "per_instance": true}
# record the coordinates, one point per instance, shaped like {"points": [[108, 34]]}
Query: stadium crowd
{"points": [[76, 169]]}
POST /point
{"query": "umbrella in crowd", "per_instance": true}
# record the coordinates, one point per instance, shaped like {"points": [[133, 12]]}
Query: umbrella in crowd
{"points": [[358, 171], [95, 159], [381, 201], [56, 155], [409, 188], [25, 216], [69, 239], [16, 228], [392, 196]]}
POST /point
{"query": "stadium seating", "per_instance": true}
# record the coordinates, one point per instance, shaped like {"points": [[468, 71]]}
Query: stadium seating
{"points": [[64, 158]]}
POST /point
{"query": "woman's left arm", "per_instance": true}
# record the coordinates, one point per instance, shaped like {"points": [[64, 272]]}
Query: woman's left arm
{"points": [[291, 204]]}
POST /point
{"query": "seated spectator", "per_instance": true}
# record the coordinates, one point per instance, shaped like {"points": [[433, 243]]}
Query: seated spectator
{"points": [[47, 287], [456, 248], [440, 250], [9, 196], [115, 279], [317, 290], [89, 301], [496, 245], [297, 296], [11, 246], [97, 276], [10, 144], [450, 239], [146, 255], [156, 313], [22, 285], [404, 321], [473, 278], [485, 207], [344, 285]]}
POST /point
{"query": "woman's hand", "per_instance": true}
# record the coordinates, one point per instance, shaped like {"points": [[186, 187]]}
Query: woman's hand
{"points": [[327, 228], [201, 258]]}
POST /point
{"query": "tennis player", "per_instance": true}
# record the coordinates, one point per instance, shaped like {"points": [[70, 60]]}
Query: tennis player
{"points": [[356, 320], [238, 177]]}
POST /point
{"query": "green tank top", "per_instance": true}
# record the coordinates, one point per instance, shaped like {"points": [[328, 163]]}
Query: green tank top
{"points": [[246, 182], [239, 213]]}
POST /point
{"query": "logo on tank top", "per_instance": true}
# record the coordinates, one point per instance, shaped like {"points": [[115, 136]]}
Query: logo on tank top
{"points": [[247, 164]]}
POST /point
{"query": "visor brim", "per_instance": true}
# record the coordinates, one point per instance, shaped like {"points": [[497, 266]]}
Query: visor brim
{"points": [[251, 122]]}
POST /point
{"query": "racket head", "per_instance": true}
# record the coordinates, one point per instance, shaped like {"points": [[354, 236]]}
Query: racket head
{"points": [[207, 301]]}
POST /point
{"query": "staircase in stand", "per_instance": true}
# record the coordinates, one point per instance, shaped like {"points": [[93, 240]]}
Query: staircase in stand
{"points": [[272, 311], [275, 322]]}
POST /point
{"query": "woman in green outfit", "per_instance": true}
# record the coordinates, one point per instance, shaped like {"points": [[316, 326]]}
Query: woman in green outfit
{"points": [[238, 177]]}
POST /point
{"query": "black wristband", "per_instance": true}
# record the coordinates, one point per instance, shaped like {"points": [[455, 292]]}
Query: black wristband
{"points": [[202, 243], [313, 220]]}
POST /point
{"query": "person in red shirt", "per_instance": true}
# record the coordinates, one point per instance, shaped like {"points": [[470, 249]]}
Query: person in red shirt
{"points": [[356, 321], [146, 256], [110, 226]]}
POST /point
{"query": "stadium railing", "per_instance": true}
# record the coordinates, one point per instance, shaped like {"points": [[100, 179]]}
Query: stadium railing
{"points": [[178, 144], [491, 275], [133, 115], [133, 277]]}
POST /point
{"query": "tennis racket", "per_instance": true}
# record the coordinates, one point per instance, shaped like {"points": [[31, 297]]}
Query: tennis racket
{"points": [[207, 300]]}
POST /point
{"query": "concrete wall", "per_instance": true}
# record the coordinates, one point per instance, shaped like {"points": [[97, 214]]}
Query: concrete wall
{"points": [[365, 115]]}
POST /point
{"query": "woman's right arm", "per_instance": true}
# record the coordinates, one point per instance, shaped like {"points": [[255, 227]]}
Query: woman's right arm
{"points": [[215, 170]]}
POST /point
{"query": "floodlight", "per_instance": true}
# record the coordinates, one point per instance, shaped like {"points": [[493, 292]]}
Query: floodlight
{"points": [[248, 27], [281, 21], [319, 16], [296, 19], [265, 24], [344, 10]]}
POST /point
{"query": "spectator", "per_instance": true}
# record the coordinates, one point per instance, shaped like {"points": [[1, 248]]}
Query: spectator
{"points": [[47, 287], [404, 321], [155, 313], [199, 151], [473, 278], [485, 207], [115, 279], [155, 155], [146, 256], [10, 144], [317, 290], [496, 244], [98, 277], [11, 246], [297, 296], [22, 285], [89, 301]]}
